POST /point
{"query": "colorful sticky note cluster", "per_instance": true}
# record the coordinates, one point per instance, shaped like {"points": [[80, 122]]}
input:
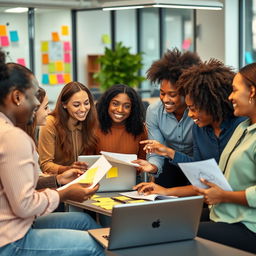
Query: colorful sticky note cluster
{"points": [[56, 58]]}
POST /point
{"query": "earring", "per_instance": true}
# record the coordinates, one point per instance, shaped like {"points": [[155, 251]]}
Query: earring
{"points": [[18, 103], [250, 100]]}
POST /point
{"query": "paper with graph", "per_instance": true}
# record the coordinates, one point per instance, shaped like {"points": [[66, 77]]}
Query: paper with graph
{"points": [[93, 175]]}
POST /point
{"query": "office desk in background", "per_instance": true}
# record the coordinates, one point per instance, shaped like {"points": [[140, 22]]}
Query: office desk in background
{"points": [[195, 247]]}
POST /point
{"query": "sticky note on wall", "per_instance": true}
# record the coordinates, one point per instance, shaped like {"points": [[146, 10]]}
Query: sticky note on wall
{"points": [[45, 58], [51, 67], [14, 36], [55, 37], [112, 173], [60, 78], [67, 68], [64, 30], [66, 46], [45, 79], [67, 58], [21, 61], [59, 66], [44, 46], [3, 31], [53, 79], [67, 78], [4, 41]]}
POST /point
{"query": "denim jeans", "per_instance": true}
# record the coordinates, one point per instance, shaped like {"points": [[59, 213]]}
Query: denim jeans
{"points": [[60, 233]]}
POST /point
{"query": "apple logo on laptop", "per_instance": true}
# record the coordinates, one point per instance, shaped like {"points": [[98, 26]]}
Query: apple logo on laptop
{"points": [[156, 224]]}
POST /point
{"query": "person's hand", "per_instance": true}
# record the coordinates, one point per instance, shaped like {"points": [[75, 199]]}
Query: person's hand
{"points": [[77, 192], [153, 146], [145, 166], [212, 195], [148, 188], [68, 176], [79, 165]]}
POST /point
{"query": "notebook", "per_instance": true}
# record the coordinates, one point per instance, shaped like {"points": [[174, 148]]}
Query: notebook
{"points": [[124, 181], [151, 222]]}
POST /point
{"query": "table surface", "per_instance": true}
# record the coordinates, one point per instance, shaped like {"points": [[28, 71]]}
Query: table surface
{"points": [[194, 247]]}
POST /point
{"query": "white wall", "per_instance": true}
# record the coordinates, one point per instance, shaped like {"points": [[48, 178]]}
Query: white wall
{"points": [[91, 25], [210, 41], [18, 22]]}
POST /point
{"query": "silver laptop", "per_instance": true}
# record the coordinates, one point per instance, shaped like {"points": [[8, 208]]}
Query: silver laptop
{"points": [[151, 223], [126, 175]]}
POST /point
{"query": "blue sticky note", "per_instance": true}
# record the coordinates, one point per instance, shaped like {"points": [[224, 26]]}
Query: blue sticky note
{"points": [[14, 36], [248, 58], [45, 79]]}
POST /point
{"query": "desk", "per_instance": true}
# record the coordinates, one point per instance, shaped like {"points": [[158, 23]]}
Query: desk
{"points": [[195, 247], [87, 205]]}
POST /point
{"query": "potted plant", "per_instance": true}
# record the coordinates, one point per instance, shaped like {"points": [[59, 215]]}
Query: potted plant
{"points": [[119, 66]]}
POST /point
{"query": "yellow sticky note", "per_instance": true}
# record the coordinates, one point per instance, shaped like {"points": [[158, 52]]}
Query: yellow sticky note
{"points": [[64, 30], [104, 199], [53, 79], [44, 46], [3, 31], [59, 66], [105, 39], [136, 201], [67, 78], [94, 196], [88, 178], [55, 37], [112, 173], [97, 204], [124, 198]]}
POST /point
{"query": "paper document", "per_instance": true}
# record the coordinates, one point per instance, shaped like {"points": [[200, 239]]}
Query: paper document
{"points": [[152, 197], [120, 158], [208, 170], [93, 175]]}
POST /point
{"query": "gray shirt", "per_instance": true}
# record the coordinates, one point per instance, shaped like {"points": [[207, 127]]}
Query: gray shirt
{"points": [[166, 129]]}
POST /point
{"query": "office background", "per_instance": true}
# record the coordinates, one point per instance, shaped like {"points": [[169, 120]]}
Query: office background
{"points": [[228, 35]]}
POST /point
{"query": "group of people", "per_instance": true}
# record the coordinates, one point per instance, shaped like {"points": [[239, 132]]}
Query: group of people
{"points": [[205, 111]]}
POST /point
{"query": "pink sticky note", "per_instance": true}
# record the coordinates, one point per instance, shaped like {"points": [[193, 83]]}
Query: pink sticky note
{"points": [[67, 58], [186, 44], [4, 41], [67, 47], [60, 78], [21, 61]]}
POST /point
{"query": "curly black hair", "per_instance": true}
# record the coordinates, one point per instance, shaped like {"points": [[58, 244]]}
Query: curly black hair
{"points": [[13, 75], [171, 66], [209, 85], [134, 124]]}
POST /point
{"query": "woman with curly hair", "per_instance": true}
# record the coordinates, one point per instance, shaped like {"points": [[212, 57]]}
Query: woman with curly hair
{"points": [[206, 88], [167, 120], [69, 131], [121, 121]]}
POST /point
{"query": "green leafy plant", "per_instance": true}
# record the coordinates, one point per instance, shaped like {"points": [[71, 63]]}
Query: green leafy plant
{"points": [[119, 66]]}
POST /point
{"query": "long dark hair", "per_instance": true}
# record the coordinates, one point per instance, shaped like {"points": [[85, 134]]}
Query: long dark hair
{"points": [[88, 125], [249, 74], [134, 123]]}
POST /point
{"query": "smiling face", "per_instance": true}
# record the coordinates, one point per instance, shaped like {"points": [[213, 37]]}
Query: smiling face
{"points": [[172, 101], [42, 112], [78, 106], [240, 97], [200, 117], [119, 108]]}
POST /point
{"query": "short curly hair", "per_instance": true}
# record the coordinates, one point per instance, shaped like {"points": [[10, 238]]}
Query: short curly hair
{"points": [[134, 124], [208, 85], [171, 66]]}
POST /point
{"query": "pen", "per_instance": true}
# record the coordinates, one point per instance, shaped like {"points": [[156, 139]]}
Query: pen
{"points": [[118, 200]]}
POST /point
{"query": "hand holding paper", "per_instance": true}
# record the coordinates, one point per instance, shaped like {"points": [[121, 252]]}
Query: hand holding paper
{"points": [[93, 175]]}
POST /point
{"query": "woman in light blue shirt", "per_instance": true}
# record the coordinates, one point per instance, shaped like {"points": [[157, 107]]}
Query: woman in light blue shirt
{"points": [[233, 213]]}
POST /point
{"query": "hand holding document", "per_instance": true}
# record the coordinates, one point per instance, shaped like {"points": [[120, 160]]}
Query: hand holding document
{"points": [[208, 170], [120, 158], [93, 175]]}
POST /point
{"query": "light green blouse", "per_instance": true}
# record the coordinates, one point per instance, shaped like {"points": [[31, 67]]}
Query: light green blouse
{"points": [[241, 175]]}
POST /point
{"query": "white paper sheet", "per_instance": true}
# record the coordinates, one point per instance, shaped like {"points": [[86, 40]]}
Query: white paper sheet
{"points": [[152, 197], [207, 169], [120, 158], [102, 166]]}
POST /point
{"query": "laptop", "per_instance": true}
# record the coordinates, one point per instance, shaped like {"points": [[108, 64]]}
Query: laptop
{"points": [[124, 182], [151, 222]]}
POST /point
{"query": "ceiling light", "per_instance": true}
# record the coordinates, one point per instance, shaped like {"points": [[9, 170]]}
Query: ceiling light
{"points": [[184, 4], [17, 10]]}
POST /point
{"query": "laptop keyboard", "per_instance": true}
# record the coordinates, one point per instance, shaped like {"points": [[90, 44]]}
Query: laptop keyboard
{"points": [[106, 237]]}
